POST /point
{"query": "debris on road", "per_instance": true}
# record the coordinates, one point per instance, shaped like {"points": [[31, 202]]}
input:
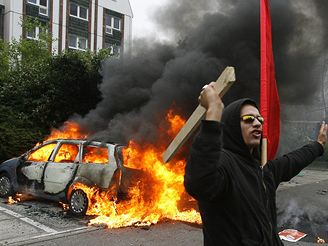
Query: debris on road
{"points": [[320, 240], [291, 235]]}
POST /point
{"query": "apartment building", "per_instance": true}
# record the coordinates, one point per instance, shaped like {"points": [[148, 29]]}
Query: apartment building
{"points": [[74, 24]]}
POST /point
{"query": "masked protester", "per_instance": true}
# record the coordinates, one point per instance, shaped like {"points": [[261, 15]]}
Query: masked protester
{"points": [[236, 196]]}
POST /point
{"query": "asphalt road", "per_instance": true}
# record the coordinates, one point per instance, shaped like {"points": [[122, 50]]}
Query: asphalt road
{"points": [[302, 205], [305, 208]]}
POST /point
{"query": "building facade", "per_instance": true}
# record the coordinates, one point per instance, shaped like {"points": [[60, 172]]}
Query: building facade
{"points": [[74, 24]]}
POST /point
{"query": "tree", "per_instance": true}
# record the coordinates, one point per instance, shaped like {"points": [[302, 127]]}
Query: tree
{"points": [[40, 90]]}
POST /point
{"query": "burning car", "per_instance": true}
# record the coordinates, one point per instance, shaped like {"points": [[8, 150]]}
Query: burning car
{"points": [[52, 170]]}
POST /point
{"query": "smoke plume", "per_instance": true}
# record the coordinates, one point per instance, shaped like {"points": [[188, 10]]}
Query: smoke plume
{"points": [[138, 89]]}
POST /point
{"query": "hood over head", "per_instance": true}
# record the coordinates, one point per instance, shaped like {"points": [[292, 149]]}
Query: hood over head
{"points": [[232, 136]]}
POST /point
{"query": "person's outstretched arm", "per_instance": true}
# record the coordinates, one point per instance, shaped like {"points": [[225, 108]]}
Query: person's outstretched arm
{"points": [[289, 165]]}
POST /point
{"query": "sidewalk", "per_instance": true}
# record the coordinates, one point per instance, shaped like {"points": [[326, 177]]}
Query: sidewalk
{"points": [[302, 204]]}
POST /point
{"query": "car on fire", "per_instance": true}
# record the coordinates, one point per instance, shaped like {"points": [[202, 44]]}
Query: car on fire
{"points": [[52, 170]]}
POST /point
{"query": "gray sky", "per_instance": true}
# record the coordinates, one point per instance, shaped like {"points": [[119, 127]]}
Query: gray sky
{"points": [[142, 23]]}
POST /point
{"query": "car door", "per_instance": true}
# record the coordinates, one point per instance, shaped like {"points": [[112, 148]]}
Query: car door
{"points": [[60, 171], [32, 169], [97, 165]]}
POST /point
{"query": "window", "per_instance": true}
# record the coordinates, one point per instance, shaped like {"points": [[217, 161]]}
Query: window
{"points": [[43, 6], [95, 154], [82, 43], [43, 153], [43, 3], [117, 23], [67, 153], [72, 41], [83, 13], [77, 43], [112, 23], [78, 11], [109, 30], [114, 50], [33, 33], [73, 9]]}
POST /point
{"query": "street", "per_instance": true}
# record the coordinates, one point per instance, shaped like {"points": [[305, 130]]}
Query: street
{"points": [[302, 205]]}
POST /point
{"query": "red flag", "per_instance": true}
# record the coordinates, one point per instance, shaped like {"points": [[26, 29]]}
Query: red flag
{"points": [[269, 99]]}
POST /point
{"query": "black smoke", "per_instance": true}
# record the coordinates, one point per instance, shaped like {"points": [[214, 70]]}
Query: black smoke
{"points": [[138, 89]]}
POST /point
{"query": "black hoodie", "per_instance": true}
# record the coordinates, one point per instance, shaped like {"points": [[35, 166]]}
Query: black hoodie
{"points": [[236, 197]]}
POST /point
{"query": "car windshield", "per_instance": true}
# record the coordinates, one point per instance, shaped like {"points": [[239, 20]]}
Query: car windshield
{"points": [[95, 154], [43, 153]]}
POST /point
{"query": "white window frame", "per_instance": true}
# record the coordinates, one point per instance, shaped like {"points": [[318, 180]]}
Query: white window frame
{"points": [[37, 32], [36, 2], [40, 6], [112, 24], [76, 47], [44, 8], [111, 48], [78, 12], [109, 30]]}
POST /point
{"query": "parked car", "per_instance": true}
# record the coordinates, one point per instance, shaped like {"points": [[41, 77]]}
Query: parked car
{"points": [[51, 169]]}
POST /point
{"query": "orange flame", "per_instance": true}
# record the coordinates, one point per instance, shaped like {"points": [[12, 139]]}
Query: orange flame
{"points": [[19, 197], [155, 191], [11, 200], [95, 155], [70, 130], [64, 205], [176, 123], [156, 195]]}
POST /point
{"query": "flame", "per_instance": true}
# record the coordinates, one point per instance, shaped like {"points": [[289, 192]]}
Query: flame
{"points": [[70, 130], [67, 153], [155, 190], [42, 154], [19, 197], [95, 155], [176, 123], [157, 194], [64, 205], [11, 200]]}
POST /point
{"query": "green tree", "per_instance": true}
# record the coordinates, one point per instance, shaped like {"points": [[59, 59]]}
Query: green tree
{"points": [[40, 90]]}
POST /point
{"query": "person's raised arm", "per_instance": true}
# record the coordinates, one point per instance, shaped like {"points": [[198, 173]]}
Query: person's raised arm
{"points": [[211, 101], [289, 165], [204, 178]]}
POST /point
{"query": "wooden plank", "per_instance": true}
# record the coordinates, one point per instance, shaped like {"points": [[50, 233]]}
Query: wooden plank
{"points": [[223, 83]]}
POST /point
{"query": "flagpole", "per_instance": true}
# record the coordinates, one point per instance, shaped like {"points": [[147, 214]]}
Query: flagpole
{"points": [[264, 151], [269, 98]]}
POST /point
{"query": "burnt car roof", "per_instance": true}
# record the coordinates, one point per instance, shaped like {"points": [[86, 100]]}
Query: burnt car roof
{"points": [[76, 141]]}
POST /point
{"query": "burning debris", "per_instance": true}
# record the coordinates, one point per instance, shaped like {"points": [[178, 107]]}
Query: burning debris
{"points": [[11, 200], [19, 197], [320, 240], [64, 206]]}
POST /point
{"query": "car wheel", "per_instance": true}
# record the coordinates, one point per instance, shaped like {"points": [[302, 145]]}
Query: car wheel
{"points": [[78, 202], [6, 188]]}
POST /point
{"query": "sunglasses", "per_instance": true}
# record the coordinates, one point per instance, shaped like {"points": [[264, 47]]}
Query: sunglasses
{"points": [[249, 119]]}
